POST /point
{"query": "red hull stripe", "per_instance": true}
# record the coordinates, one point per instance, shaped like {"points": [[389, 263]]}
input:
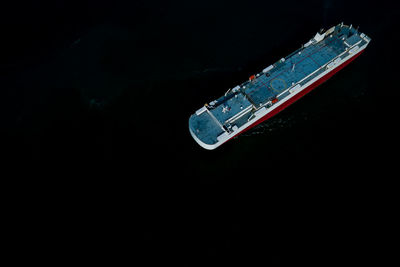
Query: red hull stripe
{"points": [[299, 95]]}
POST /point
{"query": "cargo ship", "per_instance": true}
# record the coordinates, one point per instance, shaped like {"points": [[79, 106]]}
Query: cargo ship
{"points": [[277, 86]]}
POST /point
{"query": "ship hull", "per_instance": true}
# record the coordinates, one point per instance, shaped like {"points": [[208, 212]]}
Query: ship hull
{"points": [[278, 86]]}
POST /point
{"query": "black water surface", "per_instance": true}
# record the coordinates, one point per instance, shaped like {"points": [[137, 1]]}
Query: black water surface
{"points": [[97, 94]]}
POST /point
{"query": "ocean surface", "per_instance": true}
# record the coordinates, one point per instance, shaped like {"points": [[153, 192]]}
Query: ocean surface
{"points": [[97, 94]]}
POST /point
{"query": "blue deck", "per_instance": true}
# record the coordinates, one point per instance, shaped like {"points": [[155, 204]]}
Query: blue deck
{"points": [[293, 69], [205, 128], [237, 107], [230, 108]]}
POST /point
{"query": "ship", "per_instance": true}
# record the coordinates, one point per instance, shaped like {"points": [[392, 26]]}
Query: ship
{"points": [[277, 86]]}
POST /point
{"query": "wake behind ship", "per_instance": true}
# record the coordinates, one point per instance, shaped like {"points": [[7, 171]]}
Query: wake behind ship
{"points": [[277, 86]]}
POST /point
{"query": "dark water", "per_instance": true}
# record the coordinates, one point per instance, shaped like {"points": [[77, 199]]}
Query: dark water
{"points": [[98, 96]]}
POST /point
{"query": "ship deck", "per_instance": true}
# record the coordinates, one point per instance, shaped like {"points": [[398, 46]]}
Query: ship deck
{"points": [[294, 68], [298, 68]]}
